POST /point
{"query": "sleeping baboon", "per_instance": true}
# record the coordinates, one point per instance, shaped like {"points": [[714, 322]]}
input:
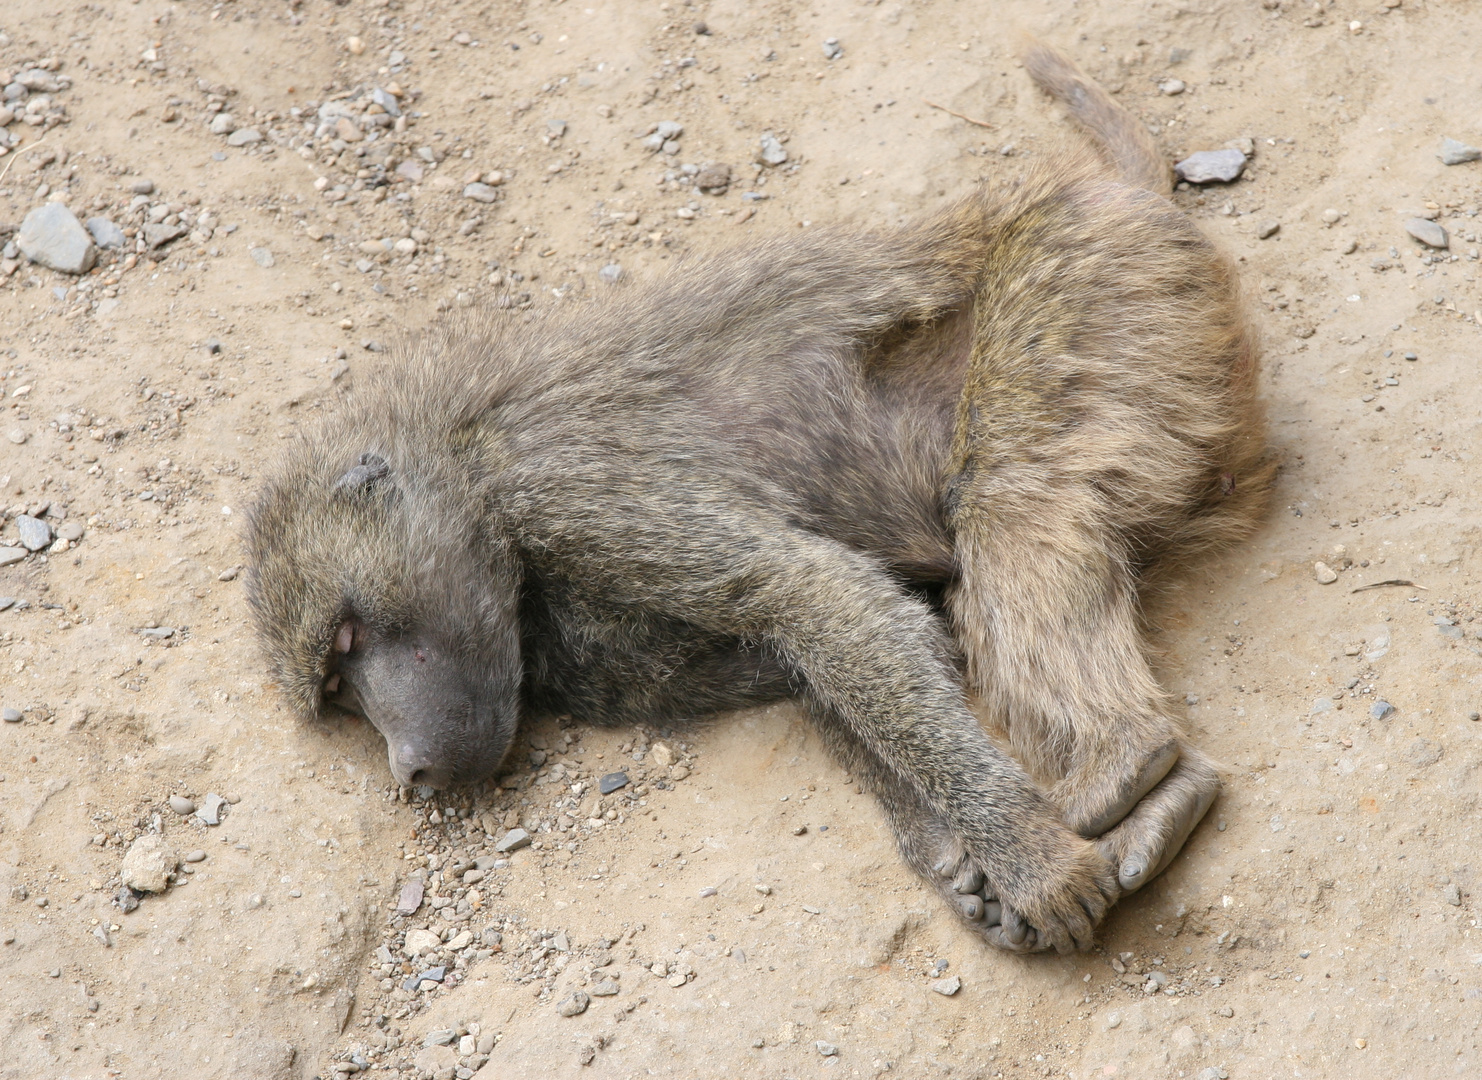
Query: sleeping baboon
{"points": [[770, 475]]}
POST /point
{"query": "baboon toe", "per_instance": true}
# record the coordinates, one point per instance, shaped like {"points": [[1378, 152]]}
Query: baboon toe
{"points": [[1147, 840], [1114, 799]]}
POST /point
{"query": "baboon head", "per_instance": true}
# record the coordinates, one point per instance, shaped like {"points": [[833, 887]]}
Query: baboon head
{"points": [[382, 585]]}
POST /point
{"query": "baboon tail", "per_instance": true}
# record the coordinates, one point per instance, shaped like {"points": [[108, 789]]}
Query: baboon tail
{"points": [[1119, 136]]}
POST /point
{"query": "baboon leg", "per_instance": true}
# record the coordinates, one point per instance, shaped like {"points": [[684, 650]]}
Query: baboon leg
{"points": [[928, 846], [1148, 838], [1045, 610]]}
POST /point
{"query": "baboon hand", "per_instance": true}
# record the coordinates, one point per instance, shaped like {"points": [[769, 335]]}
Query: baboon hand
{"points": [[1058, 907]]}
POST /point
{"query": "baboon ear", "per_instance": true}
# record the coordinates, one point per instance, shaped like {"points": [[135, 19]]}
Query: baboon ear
{"points": [[363, 477]]}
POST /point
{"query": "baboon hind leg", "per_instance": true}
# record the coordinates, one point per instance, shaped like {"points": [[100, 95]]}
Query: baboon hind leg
{"points": [[1046, 612]]}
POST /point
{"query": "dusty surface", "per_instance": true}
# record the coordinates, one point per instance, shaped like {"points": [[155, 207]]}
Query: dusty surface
{"points": [[1321, 923]]}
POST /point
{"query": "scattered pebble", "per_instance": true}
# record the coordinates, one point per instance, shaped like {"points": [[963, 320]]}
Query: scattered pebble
{"points": [[1427, 232], [612, 782], [148, 864], [419, 942], [575, 1005], [411, 897], [10, 555], [832, 50], [52, 236], [605, 988], [771, 152], [11, 716], [1381, 709], [1324, 573], [262, 256], [827, 1049], [707, 891], [480, 192], [946, 987], [1268, 228], [181, 805], [513, 840], [195, 856], [105, 233], [611, 273], [1211, 166], [1172, 87], [35, 534], [210, 809], [1456, 152]]}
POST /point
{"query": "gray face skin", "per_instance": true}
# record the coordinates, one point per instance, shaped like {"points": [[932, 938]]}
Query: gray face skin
{"points": [[442, 725]]}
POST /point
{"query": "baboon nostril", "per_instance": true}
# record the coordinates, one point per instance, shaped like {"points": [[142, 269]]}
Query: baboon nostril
{"points": [[417, 777]]}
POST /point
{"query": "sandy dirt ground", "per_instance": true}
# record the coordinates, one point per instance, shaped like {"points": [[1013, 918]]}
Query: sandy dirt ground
{"points": [[737, 908]]}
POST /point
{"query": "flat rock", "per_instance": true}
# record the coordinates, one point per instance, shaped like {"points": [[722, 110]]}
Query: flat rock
{"points": [[105, 233], [35, 534], [411, 897], [513, 841], [1381, 709], [480, 192], [10, 555], [1211, 166], [946, 987], [612, 782], [148, 864], [244, 137], [52, 236], [210, 809], [605, 988], [1428, 232], [576, 1004], [262, 256], [1324, 573], [412, 171], [1456, 152], [771, 151], [223, 124], [159, 235]]}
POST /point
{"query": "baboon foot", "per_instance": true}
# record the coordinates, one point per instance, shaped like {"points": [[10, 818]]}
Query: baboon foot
{"points": [[1094, 801], [1064, 918], [1148, 838]]}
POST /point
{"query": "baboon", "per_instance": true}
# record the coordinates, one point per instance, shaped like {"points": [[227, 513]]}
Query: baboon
{"points": [[874, 471]]}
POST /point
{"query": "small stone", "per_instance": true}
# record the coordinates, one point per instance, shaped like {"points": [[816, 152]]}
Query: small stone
{"points": [[105, 233], [210, 810], [1456, 152], [195, 856], [605, 988], [420, 942], [513, 840], [35, 534], [612, 782], [17, 436], [387, 100], [799, 830], [148, 864], [1381, 709], [262, 256], [1428, 232], [663, 756], [410, 170], [159, 235], [1452, 894], [1268, 228], [347, 129], [611, 273], [677, 980], [245, 137], [52, 236], [1324, 573], [946, 987], [460, 941], [714, 179], [142, 187], [181, 805], [11, 716], [411, 897], [827, 1049], [223, 124], [832, 50], [1172, 87], [1321, 705], [1211, 166], [480, 192], [576, 1004], [771, 152]]}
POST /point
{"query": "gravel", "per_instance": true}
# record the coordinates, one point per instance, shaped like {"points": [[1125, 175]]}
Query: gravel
{"points": [[827, 1049], [832, 50], [1211, 166], [479, 192], [1428, 232], [1268, 228], [1456, 152], [52, 236]]}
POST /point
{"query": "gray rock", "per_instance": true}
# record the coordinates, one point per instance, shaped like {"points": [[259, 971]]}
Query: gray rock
{"points": [[52, 236], [181, 805], [714, 179], [480, 192], [575, 1005], [17, 436], [10, 555], [827, 1049], [612, 782], [223, 124], [1455, 152], [1427, 232], [148, 864], [832, 50], [387, 100], [35, 533], [610, 273], [11, 716], [946, 987], [1381, 709], [605, 988], [210, 809], [1268, 228], [441, 1037], [771, 152], [262, 256], [410, 170], [1452, 894], [244, 137], [195, 856], [105, 233], [411, 897], [1321, 705], [513, 840], [1211, 166], [142, 187], [7, 601], [159, 235], [71, 530]]}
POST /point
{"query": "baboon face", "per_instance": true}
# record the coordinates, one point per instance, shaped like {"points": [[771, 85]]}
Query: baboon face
{"points": [[378, 592]]}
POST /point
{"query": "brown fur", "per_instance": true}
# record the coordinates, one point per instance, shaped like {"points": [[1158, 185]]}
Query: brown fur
{"points": [[747, 482]]}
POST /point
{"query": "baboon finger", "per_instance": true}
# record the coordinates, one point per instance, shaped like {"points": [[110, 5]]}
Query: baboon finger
{"points": [[972, 907], [968, 880]]}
